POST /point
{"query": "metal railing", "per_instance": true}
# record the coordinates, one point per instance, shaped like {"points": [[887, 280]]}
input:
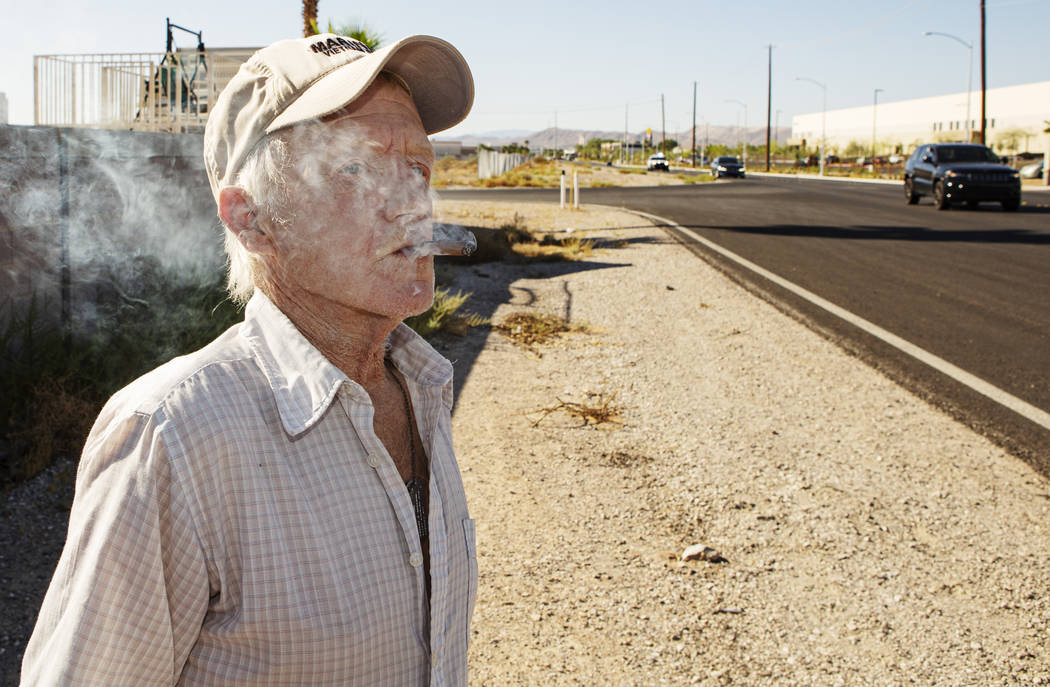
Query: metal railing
{"points": [[138, 91]]}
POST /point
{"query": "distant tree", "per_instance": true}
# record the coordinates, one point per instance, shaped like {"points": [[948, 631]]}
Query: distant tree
{"points": [[515, 147], [592, 149], [1011, 139], [716, 149], [857, 149]]}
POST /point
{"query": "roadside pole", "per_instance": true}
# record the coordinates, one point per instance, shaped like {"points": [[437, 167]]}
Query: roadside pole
{"points": [[1046, 161], [575, 191], [562, 204]]}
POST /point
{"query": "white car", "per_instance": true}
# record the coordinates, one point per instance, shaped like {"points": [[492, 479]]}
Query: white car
{"points": [[1032, 171], [657, 163]]}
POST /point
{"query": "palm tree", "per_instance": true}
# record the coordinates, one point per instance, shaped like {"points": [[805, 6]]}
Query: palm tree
{"points": [[359, 31], [309, 18]]}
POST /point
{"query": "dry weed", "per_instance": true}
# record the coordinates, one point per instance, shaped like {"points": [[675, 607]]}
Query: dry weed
{"points": [[59, 421], [602, 410], [531, 329]]}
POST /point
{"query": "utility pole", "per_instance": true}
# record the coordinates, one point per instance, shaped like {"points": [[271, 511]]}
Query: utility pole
{"points": [[663, 127], [769, 103], [623, 155], [693, 145], [984, 117], [557, 153], [874, 110]]}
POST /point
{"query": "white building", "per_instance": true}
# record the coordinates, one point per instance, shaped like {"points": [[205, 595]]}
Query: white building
{"points": [[1016, 117], [3, 108]]}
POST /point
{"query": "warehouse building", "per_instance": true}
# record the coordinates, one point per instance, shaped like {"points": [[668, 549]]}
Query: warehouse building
{"points": [[1016, 118]]}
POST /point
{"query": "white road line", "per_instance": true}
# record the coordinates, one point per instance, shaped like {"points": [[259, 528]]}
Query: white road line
{"points": [[1022, 408]]}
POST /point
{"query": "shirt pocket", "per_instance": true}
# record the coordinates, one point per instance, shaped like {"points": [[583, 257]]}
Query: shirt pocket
{"points": [[469, 536]]}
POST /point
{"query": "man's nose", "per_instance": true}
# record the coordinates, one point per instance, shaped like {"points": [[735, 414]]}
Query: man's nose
{"points": [[408, 196]]}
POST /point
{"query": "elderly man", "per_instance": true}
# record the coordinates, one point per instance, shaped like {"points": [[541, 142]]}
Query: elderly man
{"points": [[283, 507]]}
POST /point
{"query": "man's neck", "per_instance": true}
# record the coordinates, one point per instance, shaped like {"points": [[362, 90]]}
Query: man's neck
{"points": [[351, 339]]}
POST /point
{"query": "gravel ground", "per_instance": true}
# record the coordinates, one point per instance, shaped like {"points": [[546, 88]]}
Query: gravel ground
{"points": [[862, 537], [857, 536]]}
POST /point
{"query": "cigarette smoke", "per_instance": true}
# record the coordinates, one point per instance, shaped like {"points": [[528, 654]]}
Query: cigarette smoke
{"points": [[90, 213]]}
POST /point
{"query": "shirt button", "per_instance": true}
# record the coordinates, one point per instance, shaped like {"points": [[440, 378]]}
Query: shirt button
{"points": [[434, 660], [416, 559], [373, 460]]}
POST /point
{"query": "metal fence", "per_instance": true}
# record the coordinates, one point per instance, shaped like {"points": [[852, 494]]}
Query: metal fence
{"points": [[139, 91], [492, 163]]}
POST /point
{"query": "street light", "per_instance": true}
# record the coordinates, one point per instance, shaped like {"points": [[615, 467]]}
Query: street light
{"points": [[874, 109], [823, 118], [744, 105], [969, 79]]}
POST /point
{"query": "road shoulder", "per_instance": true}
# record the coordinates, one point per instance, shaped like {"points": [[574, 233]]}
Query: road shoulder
{"points": [[867, 537]]}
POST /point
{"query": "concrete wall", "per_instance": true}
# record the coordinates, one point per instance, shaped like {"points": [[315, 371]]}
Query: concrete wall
{"points": [[83, 207], [942, 118]]}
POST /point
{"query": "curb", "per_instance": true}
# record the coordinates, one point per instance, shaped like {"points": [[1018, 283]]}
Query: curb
{"points": [[885, 182]]}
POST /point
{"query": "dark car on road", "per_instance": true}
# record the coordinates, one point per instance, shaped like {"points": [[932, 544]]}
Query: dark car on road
{"points": [[960, 173], [727, 166]]}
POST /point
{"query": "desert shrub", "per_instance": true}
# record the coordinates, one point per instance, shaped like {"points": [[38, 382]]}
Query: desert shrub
{"points": [[444, 315], [55, 381]]}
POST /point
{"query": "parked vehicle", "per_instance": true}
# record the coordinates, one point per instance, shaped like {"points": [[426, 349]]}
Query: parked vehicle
{"points": [[1032, 171], [960, 173], [895, 159], [727, 166], [657, 163]]}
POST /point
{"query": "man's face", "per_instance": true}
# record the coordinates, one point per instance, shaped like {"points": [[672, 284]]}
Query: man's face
{"points": [[358, 193]]}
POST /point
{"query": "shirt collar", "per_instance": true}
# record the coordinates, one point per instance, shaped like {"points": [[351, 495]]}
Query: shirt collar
{"points": [[304, 383]]}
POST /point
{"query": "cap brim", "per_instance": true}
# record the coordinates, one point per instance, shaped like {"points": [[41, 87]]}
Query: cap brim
{"points": [[436, 74]]}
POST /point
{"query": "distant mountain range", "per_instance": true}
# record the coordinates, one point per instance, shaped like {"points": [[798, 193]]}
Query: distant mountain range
{"points": [[569, 138]]}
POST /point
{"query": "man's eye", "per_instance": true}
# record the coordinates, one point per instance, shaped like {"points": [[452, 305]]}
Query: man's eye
{"points": [[352, 169], [420, 171]]}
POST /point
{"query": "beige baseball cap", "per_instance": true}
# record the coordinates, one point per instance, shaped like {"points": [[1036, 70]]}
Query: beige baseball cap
{"points": [[301, 79]]}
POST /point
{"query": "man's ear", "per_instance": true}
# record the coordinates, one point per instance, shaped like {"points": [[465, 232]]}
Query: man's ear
{"points": [[239, 214]]}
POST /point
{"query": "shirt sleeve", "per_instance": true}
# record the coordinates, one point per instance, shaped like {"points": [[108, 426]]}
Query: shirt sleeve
{"points": [[131, 589]]}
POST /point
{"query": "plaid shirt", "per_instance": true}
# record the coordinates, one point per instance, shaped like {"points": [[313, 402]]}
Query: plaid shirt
{"points": [[238, 522]]}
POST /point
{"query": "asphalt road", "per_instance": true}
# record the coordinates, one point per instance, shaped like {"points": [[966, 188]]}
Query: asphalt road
{"points": [[969, 286]]}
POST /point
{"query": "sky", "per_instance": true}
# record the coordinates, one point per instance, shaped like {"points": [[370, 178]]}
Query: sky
{"points": [[585, 64]]}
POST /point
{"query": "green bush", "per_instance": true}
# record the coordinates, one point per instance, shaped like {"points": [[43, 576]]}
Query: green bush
{"points": [[443, 315]]}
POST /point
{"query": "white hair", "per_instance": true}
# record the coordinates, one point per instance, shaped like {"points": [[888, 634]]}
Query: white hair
{"points": [[262, 176]]}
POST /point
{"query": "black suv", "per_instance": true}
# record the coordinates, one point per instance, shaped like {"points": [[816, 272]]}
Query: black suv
{"points": [[727, 166], [960, 173]]}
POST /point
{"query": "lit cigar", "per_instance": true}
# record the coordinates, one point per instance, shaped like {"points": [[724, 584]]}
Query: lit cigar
{"points": [[448, 247]]}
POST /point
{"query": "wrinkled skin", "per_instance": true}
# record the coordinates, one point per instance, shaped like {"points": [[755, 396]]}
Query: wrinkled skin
{"points": [[358, 196], [361, 196]]}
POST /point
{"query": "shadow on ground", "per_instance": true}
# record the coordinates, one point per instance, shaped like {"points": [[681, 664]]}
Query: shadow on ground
{"points": [[492, 284]]}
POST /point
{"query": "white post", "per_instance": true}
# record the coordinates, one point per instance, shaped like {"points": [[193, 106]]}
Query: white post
{"points": [[575, 190], [562, 204]]}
